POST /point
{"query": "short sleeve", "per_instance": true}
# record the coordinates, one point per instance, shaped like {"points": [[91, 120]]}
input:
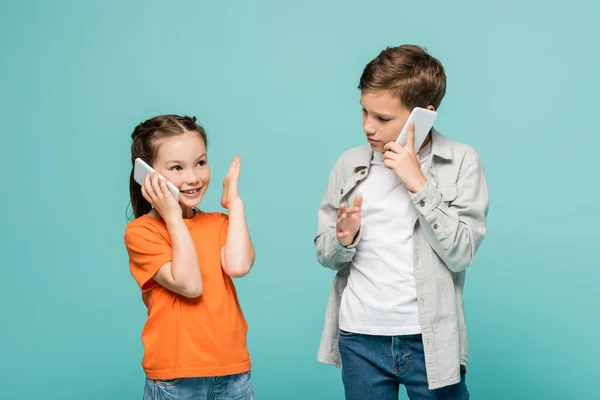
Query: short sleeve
{"points": [[223, 228], [148, 251]]}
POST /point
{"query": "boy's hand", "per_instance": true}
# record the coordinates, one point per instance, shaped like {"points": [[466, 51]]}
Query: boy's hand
{"points": [[348, 222], [404, 162], [230, 184], [159, 196]]}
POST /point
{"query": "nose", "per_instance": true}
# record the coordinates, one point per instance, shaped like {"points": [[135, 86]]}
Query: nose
{"points": [[369, 127], [190, 177]]}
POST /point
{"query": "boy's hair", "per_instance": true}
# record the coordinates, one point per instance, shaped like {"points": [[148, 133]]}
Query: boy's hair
{"points": [[144, 138], [409, 72]]}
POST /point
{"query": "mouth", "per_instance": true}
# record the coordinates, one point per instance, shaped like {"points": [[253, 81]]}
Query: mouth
{"points": [[190, 192], [371, 140]]}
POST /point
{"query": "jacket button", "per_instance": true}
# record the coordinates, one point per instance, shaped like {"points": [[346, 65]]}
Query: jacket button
{"points": [[435, 226], [363, 172], [422, 203], [341, 191]]}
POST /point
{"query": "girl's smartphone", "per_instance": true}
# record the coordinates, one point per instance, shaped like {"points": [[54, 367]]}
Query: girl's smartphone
{"points": [[423, 119], [141, 169]]}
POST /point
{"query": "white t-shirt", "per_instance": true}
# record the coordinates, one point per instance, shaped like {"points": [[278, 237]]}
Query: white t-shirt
{"points": [[380, 297]]}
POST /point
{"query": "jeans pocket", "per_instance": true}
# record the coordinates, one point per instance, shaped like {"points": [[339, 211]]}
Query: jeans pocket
{"points": [[167, 382], [240, 387]]}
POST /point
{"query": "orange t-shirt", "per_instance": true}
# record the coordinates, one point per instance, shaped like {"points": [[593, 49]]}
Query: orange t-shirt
{"points": [[184, 337]]}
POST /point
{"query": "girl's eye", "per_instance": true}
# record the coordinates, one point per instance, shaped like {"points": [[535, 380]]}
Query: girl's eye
{"points": [[176, 168], [202, 163]]}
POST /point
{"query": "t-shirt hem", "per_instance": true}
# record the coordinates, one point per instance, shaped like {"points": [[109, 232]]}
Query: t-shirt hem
{"points": [[381, 331], [195, 372]]}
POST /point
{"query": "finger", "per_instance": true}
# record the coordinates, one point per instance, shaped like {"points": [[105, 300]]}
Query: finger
{"points": [[342, 234], [410, 138], [358, 201], [393, 146], [352, 212], [237, 166], [156, 186], [234, 168], [164, 188], [230, 170], [149, 189], [341, 220], [342, 209], [390, 155], [418, 158]]}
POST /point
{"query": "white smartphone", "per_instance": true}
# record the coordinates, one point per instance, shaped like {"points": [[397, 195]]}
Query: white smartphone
{"points": [[423, 119], [141, 169]]}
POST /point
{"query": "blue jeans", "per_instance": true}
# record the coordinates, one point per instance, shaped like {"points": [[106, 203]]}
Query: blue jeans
{"points": [[374, 367], [230, 387]]}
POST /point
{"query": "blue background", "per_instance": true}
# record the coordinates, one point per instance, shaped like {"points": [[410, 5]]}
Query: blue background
{"points": [[275, 82]]}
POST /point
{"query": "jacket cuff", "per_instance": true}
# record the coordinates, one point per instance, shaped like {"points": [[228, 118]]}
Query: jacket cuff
{"points": [[427, 199], [346, 253]]}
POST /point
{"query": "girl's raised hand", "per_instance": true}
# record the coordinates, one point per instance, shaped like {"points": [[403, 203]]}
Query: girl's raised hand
{"points": [[230, 184]]}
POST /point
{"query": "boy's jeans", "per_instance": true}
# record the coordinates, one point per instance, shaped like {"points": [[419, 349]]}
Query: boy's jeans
{"points": [[373, 367], [231, 387]]}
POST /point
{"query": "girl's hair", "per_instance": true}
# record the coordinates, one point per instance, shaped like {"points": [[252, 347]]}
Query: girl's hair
{"points": [[144, 139]]}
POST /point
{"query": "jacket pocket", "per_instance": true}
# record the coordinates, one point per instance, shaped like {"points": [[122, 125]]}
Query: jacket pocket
{"points": [[449, 192]]}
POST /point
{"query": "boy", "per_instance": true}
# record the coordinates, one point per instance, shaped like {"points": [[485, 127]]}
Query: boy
{"points": [[400, 229]]}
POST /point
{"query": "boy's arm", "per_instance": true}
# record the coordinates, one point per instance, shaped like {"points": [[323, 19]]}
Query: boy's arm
{"points": [[459, 228], [330, 252]]}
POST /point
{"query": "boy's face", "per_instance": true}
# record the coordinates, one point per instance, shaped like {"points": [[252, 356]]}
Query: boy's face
{"points": [[383, 117]]}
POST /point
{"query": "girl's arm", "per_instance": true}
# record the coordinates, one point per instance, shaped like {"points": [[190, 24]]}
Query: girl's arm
{"points": [[237, 256], [182, 274]]}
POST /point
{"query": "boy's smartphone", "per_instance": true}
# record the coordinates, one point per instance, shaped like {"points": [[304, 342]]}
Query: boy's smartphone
{"points": [[141, 169], [423, 119]]}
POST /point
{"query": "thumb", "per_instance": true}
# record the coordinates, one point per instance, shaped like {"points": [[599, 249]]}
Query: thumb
{"points": [[418, 158]]}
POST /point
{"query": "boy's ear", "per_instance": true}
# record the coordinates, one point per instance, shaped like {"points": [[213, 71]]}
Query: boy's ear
{"points": [[430, 107]]}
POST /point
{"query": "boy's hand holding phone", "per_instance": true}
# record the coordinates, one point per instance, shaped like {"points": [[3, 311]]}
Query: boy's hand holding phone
{"points": [[348, 222], [404, 162]]}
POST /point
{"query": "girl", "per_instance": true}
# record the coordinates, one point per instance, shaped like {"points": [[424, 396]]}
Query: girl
{"points": [[183, 260]]}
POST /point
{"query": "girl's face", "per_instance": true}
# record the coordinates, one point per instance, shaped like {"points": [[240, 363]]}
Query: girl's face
{"points": [[182, 160]]}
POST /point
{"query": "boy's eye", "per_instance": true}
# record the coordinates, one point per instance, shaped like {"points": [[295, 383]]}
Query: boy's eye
{"points": [[383, 119]]}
